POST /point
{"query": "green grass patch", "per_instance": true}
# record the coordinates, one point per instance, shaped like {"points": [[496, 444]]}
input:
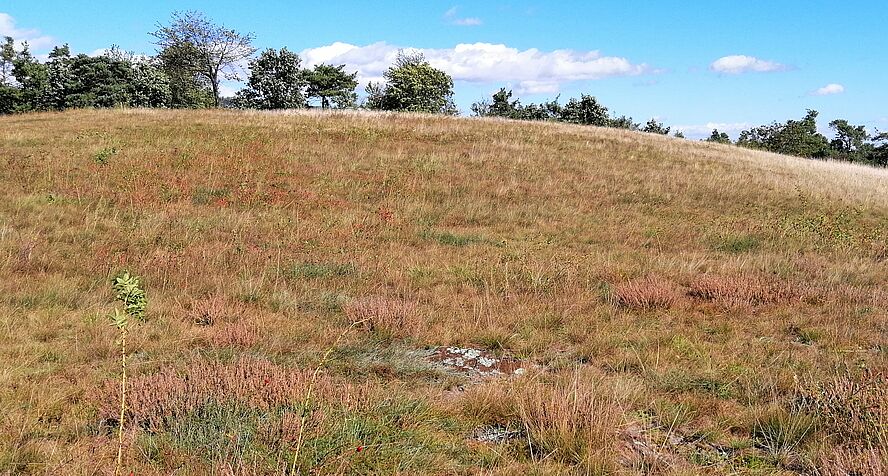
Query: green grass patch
{"points": [[452, 239], [734, 244], [319, 270], [204, 196]]}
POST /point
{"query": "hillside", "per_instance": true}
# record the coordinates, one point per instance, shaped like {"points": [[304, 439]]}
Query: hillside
{"points": [[651, 305]]}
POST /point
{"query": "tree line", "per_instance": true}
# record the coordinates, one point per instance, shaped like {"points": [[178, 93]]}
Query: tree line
{"points": [[195, 55]]}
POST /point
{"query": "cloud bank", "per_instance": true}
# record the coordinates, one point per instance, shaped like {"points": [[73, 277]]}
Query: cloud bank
{"points": [[533, 70]]}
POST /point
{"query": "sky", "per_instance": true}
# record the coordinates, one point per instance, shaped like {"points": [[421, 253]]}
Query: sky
{"points": [[695, 66]]}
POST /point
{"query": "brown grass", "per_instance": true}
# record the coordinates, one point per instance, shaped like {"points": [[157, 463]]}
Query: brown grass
{"points": [[853, 461], [395, 317], [741, 291], [646, 293], [170, 393], [261, 238], [242, 334], [573, 422]]}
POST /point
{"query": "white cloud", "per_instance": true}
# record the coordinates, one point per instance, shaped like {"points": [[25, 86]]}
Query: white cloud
{"points": [[533, 70], [832, 88], [470, 21], [537, 87], [704, 130], [736, 64], [452, 18], [36, 41]]}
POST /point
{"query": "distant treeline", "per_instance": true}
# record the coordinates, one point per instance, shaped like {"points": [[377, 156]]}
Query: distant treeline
{"points": [[194, 55]]}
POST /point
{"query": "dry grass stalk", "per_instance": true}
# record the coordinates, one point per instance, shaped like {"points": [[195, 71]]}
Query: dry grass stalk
{"points": [[241, 334], [573, 422], [213, 309], [853, 461], [395, 317], [853, 407]]}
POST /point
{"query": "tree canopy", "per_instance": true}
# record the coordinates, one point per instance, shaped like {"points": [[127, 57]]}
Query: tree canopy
{"points": [[276, 81], [202, 48], [412, 84], [332, 86]]}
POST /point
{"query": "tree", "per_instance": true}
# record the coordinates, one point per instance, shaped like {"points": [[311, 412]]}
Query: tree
{"points": [[10, 96], [878, 154], [32, 78], [850, 141], [276, 82], [7, 56], [718, 137], [795, 137], [412, 84], [332, 86], [501, 105], [654, 126], [587, 111], [188, 89], [150, 85], [623, 122], [203, 48], [679, 135]]}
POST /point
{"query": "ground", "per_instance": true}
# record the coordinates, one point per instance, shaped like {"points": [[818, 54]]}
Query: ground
{"points": [[315, 283]]}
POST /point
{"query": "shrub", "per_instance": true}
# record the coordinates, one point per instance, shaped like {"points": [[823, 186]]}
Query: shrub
{"points": [[645, 293], [741, 291], [239, 334], [169, 393], [853, 407]]}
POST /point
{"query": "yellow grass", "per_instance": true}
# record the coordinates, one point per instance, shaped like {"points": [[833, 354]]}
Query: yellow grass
{"points": [[631, 272]]}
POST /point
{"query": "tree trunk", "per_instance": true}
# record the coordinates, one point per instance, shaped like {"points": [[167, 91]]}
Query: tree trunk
{"points": [[215, 83]]}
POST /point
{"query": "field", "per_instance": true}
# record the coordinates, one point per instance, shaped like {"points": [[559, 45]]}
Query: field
{"points": [[652, 305]]}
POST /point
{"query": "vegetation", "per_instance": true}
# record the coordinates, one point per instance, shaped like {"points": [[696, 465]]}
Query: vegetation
{"points": [[207, 51], [276, 82], [677, 307], [412, 84], [195, 55]]}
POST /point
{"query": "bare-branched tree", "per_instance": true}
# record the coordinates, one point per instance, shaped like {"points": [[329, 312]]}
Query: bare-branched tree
{"points": [[210, 51]]}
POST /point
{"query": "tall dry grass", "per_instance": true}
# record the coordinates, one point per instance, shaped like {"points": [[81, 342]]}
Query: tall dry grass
{"points": [[263, 237]]}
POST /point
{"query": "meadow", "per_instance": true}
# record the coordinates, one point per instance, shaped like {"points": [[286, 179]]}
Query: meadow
{"points": [[674, 307]]}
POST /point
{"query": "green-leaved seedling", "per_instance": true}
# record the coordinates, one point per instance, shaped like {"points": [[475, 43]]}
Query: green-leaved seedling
{"points": [[128, 291]]}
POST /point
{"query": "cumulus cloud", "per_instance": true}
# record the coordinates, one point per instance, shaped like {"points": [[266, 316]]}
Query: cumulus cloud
{"points": [[736, 64], [832, 88], [36, 40], [533, 70], [454, 19]]}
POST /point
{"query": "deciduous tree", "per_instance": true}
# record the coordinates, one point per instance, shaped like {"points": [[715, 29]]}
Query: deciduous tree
{"points": [[195, 45], [412, 84], [276, 81]]}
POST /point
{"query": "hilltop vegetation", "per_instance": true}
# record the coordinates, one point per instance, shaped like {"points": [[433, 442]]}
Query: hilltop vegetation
{"points": [[194, 55], [675, 307]]}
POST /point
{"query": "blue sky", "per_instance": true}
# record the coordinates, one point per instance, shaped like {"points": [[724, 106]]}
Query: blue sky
{"points": [[693, 65]]}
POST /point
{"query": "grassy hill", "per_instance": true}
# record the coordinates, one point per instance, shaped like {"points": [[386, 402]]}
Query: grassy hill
{"points": [[674, 307]]}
